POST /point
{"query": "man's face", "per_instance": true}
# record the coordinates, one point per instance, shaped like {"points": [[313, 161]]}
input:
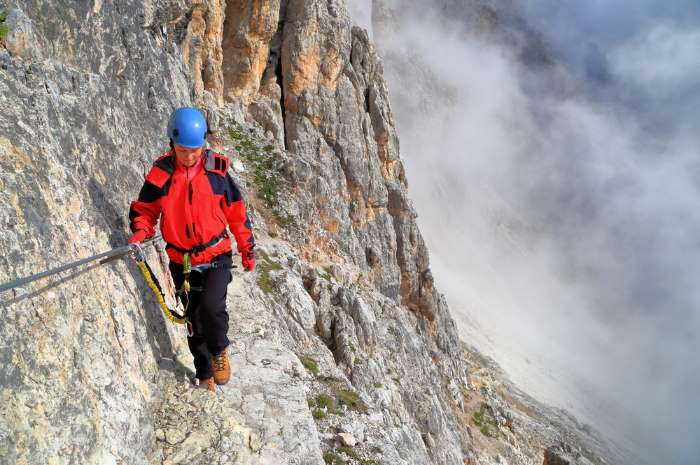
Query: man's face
{"points": [[187, 156]]}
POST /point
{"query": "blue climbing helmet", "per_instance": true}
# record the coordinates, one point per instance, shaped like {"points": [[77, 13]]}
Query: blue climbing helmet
{"points": [[187, 128]]}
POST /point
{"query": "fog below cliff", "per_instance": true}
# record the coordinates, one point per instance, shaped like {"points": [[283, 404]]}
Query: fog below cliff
{"points": [[561, 204]]}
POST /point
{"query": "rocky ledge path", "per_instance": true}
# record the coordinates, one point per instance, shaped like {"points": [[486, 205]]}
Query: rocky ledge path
{"points": [[260, 417]]}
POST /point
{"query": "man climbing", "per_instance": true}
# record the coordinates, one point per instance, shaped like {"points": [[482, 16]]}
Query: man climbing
{"points": [[195, 197]]}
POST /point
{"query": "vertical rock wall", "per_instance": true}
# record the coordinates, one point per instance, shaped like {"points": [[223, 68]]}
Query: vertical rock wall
{"points": [[85, 88], [316, 83]]}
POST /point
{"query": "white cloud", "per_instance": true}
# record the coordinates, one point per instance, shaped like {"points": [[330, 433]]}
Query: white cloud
{"points": [[361, 12], [564, 231], [663, 59]]}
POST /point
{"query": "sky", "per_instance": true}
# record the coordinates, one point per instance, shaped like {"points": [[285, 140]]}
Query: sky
{"points": [[561, 205]]}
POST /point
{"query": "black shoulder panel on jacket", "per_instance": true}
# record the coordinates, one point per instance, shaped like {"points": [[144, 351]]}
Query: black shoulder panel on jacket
{"points": [[226, 186], [166, 163], [150, 192]]}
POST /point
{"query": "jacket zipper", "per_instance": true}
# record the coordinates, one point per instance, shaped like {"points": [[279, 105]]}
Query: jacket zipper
{"points": [[189, 195]]}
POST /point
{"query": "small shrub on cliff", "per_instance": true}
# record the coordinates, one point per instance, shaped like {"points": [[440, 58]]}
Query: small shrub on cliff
{"points": [[480, 419], [327, 274]]}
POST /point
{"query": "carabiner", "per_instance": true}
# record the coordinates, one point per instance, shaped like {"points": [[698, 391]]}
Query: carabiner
{"points": [[137, 253], [186, 264]]}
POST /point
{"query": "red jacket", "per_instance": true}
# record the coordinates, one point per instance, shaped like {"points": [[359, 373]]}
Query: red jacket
{"points": [[194, 205]]}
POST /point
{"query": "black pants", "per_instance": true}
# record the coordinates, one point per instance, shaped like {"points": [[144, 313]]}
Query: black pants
{"points": [[206, 311]]}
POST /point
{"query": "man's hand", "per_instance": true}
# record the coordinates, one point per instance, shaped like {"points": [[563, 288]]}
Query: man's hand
{"points": [[248, 260], [138, 236]]}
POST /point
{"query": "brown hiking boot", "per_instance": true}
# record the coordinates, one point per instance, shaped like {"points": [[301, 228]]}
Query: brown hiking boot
{"points": [[222, 368], [207, 384]]}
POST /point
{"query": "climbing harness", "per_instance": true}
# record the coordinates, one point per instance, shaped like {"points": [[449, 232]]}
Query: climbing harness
{"points": [[187, 269], [183, 293], [202, 247]]}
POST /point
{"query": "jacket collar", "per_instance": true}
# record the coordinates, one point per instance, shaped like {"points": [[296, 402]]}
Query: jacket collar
{"points": [[191, 171]]}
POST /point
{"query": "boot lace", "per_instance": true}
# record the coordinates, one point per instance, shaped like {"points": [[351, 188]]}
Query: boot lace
{"points": [[220, 362]]}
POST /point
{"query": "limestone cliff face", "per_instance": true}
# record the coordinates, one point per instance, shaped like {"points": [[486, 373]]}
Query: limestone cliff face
{"points": [[339, 329], [83, 87], [316, 83]]}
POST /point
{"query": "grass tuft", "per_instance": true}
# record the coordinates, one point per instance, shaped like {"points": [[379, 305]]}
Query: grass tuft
{"points": [[325, 401], [265, 267], [331, 458], [347, 451], [352, 400], [330, 380], [262, 163], [310, 364], [485, 431], [4, 30]]}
